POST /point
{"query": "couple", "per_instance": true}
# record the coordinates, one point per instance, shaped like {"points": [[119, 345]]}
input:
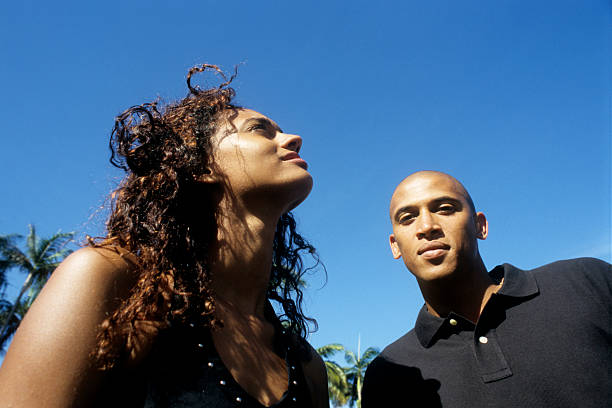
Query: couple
{"points": [[173, 307]]}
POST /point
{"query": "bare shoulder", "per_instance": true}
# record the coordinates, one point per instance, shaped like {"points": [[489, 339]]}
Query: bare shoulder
{"points": [[48, 362], [316, 375], [100, 263]]}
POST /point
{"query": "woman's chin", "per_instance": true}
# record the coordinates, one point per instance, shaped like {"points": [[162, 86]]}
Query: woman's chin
{"points": [[302, 190]]}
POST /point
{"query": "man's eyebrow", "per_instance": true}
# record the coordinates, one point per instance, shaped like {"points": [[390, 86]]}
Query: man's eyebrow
{"points": [[448, 199], [435, 201]]}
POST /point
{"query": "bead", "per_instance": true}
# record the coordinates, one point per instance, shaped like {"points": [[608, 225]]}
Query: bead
{"points": [[294, 382], [211, 364], [293, 367], [293, 399], [200, 345], [191, 325], [238, 399], [222, 382]]}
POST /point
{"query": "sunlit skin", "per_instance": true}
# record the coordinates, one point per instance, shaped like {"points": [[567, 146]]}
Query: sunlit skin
{"points": [[258, 163], [258, 176], [435, 232], [263, 176]]}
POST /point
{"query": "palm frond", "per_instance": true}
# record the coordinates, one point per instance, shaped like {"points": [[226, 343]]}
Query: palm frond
{"points": [[329, 349], [9, 240], [369, 354], [13, 323], [54, 246], [336, 384], [350, 357], [31, 244], [11, 255], [41, 257]]}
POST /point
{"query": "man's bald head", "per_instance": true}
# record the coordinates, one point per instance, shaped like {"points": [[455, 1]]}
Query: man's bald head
{"points": [[435, 226], [413, 182]]}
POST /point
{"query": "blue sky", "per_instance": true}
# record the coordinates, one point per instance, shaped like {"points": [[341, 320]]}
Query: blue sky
{"points": [[511, 97]]}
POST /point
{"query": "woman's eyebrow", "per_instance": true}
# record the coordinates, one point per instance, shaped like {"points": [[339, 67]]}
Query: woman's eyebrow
{"points": [[261, 121]]}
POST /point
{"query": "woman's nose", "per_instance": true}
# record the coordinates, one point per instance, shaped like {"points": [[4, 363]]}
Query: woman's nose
{"points": [[292, 142]]}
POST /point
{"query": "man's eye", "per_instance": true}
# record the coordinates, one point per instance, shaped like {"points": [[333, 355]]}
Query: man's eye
{"points": [[446, 209], [405, 219], [257, 127]]}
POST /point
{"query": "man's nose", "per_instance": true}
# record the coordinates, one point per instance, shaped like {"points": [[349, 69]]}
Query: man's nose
{"points": [[426, 225]]}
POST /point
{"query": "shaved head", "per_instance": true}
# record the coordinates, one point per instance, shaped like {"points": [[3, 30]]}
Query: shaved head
{"points": [[433, 176], [435, 226]]}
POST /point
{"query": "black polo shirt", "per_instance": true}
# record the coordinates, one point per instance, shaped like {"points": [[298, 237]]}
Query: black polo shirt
{"points": [[543, 340]]}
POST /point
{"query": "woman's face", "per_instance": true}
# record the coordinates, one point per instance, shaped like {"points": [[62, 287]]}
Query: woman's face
{"points": [[257, 161]]}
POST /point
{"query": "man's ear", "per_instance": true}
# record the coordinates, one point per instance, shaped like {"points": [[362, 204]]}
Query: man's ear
{"points": [[482, 226], [394, 247]]}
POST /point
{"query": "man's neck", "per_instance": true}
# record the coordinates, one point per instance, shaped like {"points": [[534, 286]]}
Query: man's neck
{"points": [[465, 292]]}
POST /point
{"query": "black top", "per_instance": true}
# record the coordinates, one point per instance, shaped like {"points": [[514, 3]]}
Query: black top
{"points": [[543, 340], [188, 372]]}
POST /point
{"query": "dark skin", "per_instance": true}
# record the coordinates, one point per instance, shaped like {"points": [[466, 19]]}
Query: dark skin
{"points": [[49, 364], [435, 231]]}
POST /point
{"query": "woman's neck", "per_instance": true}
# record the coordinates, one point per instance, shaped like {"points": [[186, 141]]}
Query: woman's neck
{"points": [[241, 259]]}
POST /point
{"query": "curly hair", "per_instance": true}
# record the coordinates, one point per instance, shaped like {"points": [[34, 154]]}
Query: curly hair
{"points": [[163, 216]]}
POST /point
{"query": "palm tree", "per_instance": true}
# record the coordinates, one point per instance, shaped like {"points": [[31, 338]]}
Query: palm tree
{"points": [[356, 370], [336, 378], [41, 257], [5, 264], [344, 383], [13, 322]]}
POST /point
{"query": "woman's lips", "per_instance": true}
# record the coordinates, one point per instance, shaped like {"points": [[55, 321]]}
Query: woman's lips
{"points": [[295, 158], [300, 162]]}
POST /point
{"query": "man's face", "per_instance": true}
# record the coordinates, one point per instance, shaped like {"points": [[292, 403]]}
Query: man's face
{"points": [[434, 228]]}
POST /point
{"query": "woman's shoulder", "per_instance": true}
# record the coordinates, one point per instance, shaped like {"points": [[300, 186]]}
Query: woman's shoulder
{"points": [[108, 261], [103, 275], [316, 374], [49, 357]]}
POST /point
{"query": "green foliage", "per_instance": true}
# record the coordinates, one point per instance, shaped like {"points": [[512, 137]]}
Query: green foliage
{"points": [[37, 260], [13, 321], [344, 383], [337, 386]]}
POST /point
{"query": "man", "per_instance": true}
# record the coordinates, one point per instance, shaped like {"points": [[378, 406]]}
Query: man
{"points": [[508, 338]]}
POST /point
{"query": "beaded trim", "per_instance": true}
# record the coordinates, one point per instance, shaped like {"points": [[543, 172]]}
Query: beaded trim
{"points": [[292, 383]]}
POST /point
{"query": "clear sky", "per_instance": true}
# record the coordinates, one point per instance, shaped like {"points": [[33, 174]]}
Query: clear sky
{"points": [[511, 97]]}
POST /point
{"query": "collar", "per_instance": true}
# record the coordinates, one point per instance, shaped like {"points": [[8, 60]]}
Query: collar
{"points": [[517, 284]]}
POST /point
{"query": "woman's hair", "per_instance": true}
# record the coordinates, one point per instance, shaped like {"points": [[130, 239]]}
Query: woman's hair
{"points": [[166, 218]]}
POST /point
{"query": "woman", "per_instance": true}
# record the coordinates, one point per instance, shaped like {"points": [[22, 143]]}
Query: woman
{"points": [[172, 308]]}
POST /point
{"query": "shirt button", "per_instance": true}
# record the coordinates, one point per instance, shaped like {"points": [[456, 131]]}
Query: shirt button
{"points": [[483, 340], [452, 322]]}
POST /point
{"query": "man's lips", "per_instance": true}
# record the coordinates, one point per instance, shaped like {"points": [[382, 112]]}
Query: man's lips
{"points": [[433, 250], [293, 157]]}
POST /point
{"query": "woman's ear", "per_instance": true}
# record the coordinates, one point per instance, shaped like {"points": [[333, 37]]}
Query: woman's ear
{"points": [[208, 176]]}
